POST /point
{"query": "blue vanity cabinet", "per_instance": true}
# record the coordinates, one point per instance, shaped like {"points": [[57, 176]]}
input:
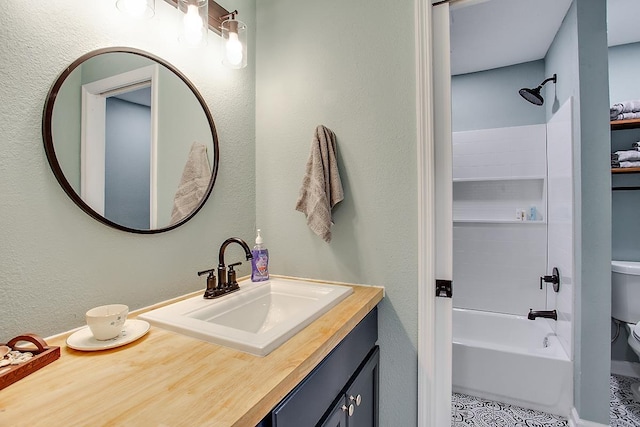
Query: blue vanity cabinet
{"points": [[362, 393], [358, 405], [349, 371]]}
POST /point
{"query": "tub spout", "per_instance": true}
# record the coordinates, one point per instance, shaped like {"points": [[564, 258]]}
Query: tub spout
{"points": [[547, 314]]}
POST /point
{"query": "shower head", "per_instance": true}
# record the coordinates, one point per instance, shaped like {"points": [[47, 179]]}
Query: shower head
{"points": [[533, 95]]}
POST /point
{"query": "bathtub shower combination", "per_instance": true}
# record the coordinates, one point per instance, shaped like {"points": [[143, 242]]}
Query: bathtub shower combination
{"points": [[511, 359], [512, 224]]}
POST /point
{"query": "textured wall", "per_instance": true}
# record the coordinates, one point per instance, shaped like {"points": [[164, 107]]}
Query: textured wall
{"points": [[623, 72], [490, 99], [342, 65], [579, 56], [56, 261]]}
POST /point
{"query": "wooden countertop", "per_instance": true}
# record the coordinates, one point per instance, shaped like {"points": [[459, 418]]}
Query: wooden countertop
{"points": [[167, 379]]}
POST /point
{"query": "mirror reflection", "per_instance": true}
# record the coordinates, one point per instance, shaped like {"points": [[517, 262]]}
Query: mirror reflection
{"points": [[130, 140]]}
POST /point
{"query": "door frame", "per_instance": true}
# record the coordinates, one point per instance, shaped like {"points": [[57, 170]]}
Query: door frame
{"points": [[92, 139]]}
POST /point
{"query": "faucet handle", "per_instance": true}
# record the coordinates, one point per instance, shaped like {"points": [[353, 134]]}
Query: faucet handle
{"points": [[554, 279], [231, 275], [211, 282], [210, 271]]}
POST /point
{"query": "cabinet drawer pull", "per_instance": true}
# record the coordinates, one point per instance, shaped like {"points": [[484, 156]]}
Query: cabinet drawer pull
{"points": [[349, 409], [358, 399]]}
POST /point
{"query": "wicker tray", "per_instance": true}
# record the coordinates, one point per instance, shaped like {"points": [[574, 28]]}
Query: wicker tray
{"points": [[42, 356]]}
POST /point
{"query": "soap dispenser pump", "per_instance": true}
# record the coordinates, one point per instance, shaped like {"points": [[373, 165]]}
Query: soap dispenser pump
{"points": [[260, 261]]}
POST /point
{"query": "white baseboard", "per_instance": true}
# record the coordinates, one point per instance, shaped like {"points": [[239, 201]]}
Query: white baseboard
{"points": [[628, 369], [575, 421]]}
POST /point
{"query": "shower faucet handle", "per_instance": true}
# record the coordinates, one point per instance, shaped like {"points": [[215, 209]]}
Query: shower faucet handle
{"points": [[554, 279]]}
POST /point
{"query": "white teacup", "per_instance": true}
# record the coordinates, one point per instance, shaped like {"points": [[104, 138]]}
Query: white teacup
{"points": [[106, 321]]}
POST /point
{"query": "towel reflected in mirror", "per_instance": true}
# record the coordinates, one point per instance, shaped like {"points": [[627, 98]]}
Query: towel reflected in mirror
{"points": [[193, 184]]}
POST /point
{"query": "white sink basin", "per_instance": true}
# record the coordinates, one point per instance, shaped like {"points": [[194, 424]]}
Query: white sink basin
{"points": [[257, 319]]}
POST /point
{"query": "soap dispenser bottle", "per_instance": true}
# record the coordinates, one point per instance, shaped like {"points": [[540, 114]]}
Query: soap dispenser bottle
{"points": [[260, 261]]}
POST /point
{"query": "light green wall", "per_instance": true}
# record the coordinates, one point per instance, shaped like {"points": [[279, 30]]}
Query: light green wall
{"points": [[341, 65], [579, 56], [594, 313], [56, 261], [623, 72], [490, 99], [103, 66]]}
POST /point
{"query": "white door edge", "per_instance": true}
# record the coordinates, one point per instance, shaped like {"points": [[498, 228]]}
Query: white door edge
{"points": [[434, 212]]}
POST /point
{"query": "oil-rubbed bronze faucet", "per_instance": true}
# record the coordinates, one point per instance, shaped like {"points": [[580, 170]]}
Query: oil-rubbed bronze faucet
{"points": [[226, 280], [230, 280]]}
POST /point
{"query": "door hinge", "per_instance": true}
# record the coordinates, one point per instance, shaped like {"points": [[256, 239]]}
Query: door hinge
{"points": [[444, 288]]}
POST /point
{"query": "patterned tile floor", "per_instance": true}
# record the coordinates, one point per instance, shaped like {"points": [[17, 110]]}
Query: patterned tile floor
{"points": [[477, 412], [624, 410]]}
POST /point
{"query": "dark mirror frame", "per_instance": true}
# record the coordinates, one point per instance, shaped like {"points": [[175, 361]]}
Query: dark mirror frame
{"points": [[55, 165]]}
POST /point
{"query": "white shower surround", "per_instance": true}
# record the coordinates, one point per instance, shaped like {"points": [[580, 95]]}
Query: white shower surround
{"points": [[503, 357]]}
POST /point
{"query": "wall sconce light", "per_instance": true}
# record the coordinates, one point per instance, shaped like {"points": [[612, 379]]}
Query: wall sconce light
{"points": [[193, 21], [197, 17], [137, 8], [234, 41]]}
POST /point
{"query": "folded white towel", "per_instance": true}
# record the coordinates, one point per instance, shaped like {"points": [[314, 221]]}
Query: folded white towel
{"points": [[321, 187], [630, 164], [628, 155], [619, 108], [194, 183], [627, 116]]}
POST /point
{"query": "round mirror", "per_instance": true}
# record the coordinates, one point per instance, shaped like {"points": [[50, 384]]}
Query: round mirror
{"points": [[130, 140]]}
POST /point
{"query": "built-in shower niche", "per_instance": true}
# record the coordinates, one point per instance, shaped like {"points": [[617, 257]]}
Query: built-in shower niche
{"points": [[500, 200], [499, 175]]}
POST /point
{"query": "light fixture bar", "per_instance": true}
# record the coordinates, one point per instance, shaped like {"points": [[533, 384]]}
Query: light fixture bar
{"points": [[216, 12]]}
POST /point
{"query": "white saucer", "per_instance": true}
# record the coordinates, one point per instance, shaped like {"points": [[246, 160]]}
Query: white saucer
{"points": [[131, 330]]}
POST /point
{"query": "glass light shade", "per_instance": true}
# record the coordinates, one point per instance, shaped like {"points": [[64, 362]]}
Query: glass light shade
{"points": [[234, 43], [137, 8], [194, 22]]}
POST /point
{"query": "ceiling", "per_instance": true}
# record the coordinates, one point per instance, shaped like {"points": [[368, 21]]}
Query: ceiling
{"points": [[487, 34]]}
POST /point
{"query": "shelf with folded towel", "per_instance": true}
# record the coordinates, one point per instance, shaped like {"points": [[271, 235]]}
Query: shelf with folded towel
{"points": [[625, 170], [622, 125], [625, 124]]}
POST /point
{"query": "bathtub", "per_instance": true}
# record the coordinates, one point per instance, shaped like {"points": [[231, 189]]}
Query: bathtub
{"points": [[511, 359]]}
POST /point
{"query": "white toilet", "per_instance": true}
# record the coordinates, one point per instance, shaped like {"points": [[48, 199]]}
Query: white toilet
{"points": [[625, 304]]}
